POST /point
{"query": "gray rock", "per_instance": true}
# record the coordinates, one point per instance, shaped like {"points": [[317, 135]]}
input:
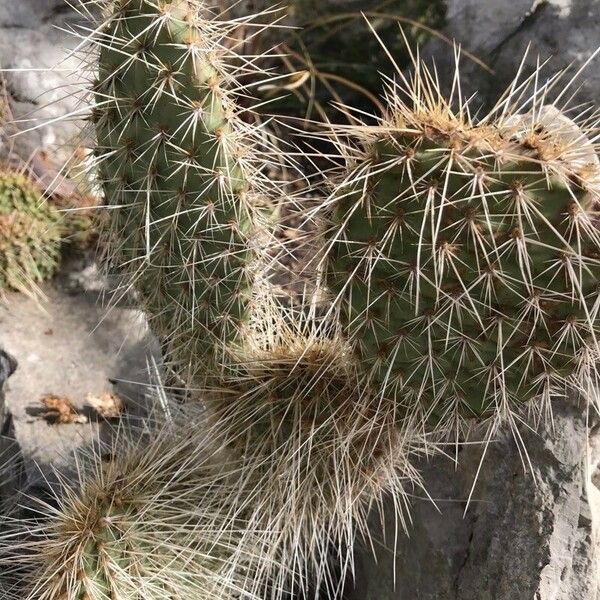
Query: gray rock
{"points": [[564, 31], [69, 345], [9, 450], [8, 366], [526, 533], [34, 51]]}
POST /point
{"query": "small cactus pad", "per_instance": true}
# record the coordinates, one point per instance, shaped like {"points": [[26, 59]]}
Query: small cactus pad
{"points": [[467, 255], [151, 521], [29, 234], [173, 160], [320, 449]]}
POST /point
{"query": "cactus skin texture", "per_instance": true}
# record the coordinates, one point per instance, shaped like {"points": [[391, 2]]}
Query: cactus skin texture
{"points": [[29, 234], [151, 522], [173, 160], [320, 449], [467, 255]]}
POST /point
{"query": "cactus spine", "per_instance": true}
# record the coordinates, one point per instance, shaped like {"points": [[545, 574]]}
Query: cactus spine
{"points": [[467, 254], [174, 161]]}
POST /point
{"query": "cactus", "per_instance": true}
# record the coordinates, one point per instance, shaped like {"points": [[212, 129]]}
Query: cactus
{"points": [[181, 194], [29, 234], [150, 520], [466, 253], [176, 162], [318, 447], [441, 226], [172, 153]]}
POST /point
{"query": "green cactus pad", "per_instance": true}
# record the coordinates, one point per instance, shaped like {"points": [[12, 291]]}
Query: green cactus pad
{"points": [[173, 160], [29, 234], [152, 521], [468, 257]]}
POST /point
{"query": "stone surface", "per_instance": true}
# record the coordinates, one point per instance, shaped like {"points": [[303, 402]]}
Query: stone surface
{"points": [[34, 52], [499, 33], [526, 534], [69, 345], [9, 451], [8, 366]]}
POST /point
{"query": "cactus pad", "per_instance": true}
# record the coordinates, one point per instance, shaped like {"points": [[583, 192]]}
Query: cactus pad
{"points": [[173, 157], [468, 256], [150, 521]]}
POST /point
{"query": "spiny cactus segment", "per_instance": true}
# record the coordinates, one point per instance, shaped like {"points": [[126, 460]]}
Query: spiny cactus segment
{"points": [[177, 165], [29, 234], [466, 253], [320, 449], [152, 519]]}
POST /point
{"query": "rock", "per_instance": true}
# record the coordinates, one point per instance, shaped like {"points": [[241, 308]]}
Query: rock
{"points": [[8, 365], [33, 39], [10, 468], [69, 346], [526, 533], [565, 31]]}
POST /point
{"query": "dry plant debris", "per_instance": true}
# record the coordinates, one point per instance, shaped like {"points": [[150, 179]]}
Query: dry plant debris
{"points": [[60, 410], [107, 405]]}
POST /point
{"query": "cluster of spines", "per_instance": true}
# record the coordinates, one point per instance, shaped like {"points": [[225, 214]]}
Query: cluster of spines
{"points": [[320, 450]]}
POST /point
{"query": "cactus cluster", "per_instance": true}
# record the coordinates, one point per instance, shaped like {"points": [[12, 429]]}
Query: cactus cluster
{"points": [[456, 278], [29, 234]]}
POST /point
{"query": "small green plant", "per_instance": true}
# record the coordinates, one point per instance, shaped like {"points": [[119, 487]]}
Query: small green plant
{"points": [[29, 234]]}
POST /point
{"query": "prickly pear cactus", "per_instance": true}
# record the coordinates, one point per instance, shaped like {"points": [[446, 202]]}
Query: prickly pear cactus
{"points": [[468, 255], [150, 521], [29, 234], [174, 161]]}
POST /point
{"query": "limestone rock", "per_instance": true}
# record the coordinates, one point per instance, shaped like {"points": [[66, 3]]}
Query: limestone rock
{"points": [[499, 33], [9, 451], [530, 530], [34, 52], [70, 346]]}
